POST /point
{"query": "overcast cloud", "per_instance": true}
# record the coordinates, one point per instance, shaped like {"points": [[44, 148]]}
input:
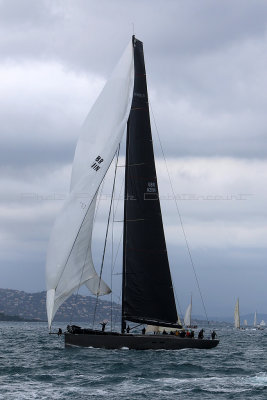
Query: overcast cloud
{"points": [[206, 66]]}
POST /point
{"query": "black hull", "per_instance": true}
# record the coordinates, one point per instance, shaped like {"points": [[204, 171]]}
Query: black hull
{"points": [[136, 342]]}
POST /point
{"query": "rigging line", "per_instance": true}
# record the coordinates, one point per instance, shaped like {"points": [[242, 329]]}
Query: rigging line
{"points": [[113, 266], [112, 248], [111, 277], [118, 313], [119, 197], [99, 198], [180, 218], [136, 326], [106, 237]]}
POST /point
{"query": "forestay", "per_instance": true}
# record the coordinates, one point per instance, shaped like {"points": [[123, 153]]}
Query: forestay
{"points": [[69, 258]]}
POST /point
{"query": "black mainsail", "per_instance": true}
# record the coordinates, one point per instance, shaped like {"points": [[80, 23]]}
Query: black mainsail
{"points": [[147, 292]]}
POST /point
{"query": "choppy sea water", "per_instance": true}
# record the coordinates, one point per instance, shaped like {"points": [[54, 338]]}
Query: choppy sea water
{"points": [[34, 365]]}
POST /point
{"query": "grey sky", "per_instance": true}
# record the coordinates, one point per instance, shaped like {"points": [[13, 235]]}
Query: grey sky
{"points": [[206, 66]]}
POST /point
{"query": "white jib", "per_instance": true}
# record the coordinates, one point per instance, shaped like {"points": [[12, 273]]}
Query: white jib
{"points": [[69, 260]]}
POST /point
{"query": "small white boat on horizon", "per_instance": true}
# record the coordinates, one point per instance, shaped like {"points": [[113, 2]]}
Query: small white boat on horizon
{"points": [[237, 315]]}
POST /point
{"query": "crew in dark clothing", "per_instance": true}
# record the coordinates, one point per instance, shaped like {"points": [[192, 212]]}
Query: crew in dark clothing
{"points": [[213, 335], [192, 334], [59, 332], [201, 334], [164, 332], [182, 334], [103, 325], [144, 331], [128, 329]]}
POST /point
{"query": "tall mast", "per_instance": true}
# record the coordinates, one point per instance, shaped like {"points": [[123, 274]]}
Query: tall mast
{"points": [[123, 324]]}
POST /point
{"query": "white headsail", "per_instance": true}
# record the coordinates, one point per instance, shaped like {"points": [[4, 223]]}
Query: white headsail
{"points": [[255, 319], [69, 260], [187, 317], [237, 317]]}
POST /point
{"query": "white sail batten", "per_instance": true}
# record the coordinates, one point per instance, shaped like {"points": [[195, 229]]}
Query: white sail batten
{"points": [[69, 259], [236, 315], [187, 317]]}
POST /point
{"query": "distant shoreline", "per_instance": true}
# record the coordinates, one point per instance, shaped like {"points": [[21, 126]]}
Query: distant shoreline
{"points": [[17, 318]]}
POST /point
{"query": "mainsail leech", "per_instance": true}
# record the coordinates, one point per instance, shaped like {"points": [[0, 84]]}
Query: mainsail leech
{"points": [[69, 258]]}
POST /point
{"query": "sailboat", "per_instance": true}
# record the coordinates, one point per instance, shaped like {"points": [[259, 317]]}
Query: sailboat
{"points": [[147, 290], [262, 324], [187, 316], [236, 315]]}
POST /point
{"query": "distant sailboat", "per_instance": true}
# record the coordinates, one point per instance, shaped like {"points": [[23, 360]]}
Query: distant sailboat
{"points": [[258, 326], [262, 325], [187, 317], [236, 315], [245, 322]]}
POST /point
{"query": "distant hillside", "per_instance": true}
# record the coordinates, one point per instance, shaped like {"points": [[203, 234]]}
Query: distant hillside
{"points": [[4, 317], [76, 308]]}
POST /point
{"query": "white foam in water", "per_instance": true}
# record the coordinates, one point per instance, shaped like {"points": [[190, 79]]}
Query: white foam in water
{"points": [[212, 384], [258, 380]]}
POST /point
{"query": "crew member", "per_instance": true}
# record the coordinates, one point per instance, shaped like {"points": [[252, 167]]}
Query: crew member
{"points": [[201, 334], [103, 325], [213, 335]]}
